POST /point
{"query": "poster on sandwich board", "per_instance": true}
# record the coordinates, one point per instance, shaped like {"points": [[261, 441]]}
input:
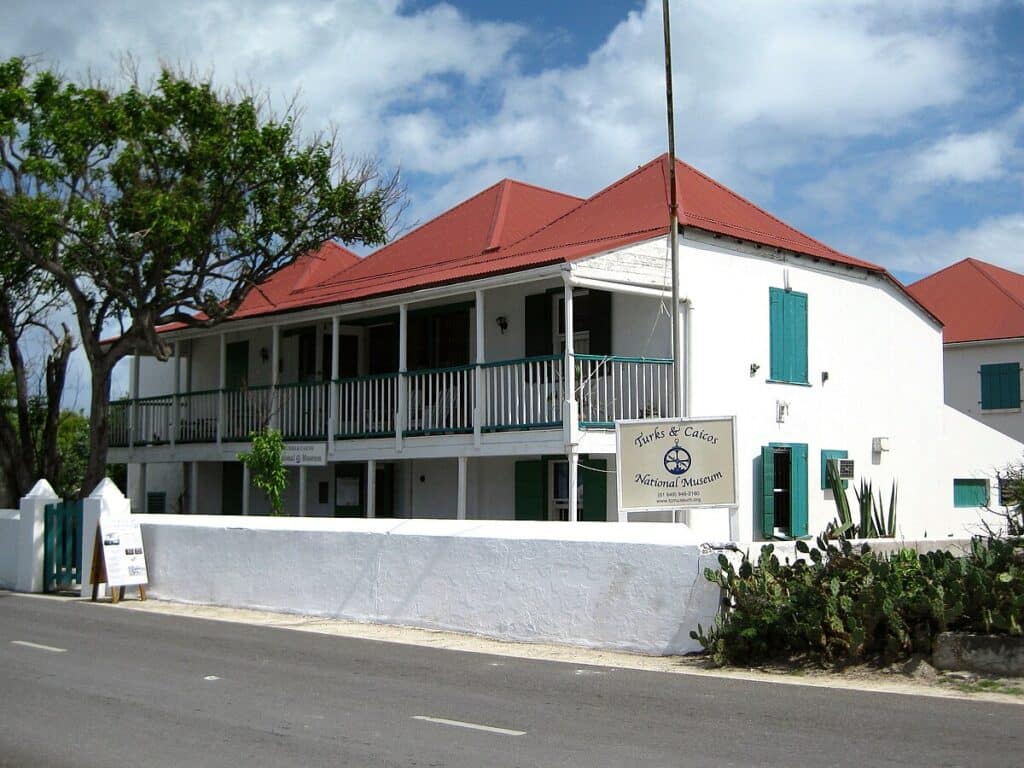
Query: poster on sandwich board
{"points": [[123, 553], [667, 464]]}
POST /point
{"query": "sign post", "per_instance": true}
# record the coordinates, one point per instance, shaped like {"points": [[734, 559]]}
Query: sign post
{"points": [[672, 464]]}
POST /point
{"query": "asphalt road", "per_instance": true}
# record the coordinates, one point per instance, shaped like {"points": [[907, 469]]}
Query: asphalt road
{"points": [[87, 685]]}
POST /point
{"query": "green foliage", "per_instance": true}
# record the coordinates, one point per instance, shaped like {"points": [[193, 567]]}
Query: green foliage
{"points": [[875, 520], [264, 463], [73, 450], [846, 603]]}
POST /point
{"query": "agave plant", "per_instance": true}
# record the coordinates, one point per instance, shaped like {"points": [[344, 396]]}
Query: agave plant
{"points": [[875, 520]]}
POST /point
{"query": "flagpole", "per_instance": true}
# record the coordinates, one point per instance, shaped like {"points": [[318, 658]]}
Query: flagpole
{"points": [[673, 228]]}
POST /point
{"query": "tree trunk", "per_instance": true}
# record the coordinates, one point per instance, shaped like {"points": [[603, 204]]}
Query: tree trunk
{"points": [[99, 423]]}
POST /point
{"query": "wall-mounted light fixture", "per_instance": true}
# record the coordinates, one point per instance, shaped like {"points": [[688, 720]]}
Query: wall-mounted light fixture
{"points": [[754, 368], [502, 322], [824, 376], [264, 354]]}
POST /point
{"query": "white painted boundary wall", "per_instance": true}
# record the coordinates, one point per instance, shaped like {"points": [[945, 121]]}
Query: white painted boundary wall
{"points": [[637, 587], [10, 520]]}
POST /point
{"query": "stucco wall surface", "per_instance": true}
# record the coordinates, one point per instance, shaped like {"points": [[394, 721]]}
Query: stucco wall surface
{"points": [[962, 380], [638, 587], [9, 524]]}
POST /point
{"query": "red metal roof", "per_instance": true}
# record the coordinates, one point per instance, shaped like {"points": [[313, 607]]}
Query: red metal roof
{"points": [[513, 226], [976, 301], [456, 245]]}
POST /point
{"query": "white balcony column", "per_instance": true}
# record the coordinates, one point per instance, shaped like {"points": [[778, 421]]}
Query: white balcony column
{"points": [[133, 413], [334, 390], [460, 511], [193, 488], [479, 408], [275, 372], [175, 405], [140, 501], [574, 474], [403, 363], [570, 418], [371, 488], [222, 382], [303, 501], [246, 479]]}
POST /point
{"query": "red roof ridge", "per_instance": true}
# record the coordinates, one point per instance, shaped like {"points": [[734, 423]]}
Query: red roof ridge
{"points": [[770, 215], [498, 219], [982, 268]]}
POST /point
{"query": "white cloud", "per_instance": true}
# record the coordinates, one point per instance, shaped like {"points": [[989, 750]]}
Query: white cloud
{"points": [[962, 158], [998, 240]]}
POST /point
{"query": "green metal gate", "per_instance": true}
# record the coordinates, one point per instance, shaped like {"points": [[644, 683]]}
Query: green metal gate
{"points": [[62, 547]]}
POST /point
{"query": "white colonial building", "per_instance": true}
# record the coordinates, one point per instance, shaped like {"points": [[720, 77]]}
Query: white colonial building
{"points": [[475, 368]]}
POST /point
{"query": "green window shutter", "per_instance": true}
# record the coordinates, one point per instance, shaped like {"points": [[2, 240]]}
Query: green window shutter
{"points": [[826, 455], [538, 325], [796, 324], [777, 325], [798, 489], [787, 312], [767, 491], [1000, 385], [530, 501], [156, 502], [595, 490], [600, 312], [970, 493]]}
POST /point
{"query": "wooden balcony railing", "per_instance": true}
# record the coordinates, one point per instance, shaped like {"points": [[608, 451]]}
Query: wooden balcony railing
{"points": [[529, 393]]}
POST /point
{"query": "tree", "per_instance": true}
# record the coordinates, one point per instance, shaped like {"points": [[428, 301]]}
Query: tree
{"points": [[264, 462], [30, 396], [168, 203]]}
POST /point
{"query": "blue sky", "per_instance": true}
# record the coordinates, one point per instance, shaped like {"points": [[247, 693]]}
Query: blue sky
{"points": [[891, 131]]}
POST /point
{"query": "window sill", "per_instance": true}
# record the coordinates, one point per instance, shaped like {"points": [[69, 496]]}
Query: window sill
{"points": [[996, 411], [793, 383]]}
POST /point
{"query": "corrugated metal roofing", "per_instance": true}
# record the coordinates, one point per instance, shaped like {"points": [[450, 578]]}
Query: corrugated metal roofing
{"points": [[977, 301], [513, 226]]}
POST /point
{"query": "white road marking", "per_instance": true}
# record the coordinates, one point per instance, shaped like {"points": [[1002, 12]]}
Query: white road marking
{"points": [[211, 677], [49, 648], [472, 726], [580, 672]]}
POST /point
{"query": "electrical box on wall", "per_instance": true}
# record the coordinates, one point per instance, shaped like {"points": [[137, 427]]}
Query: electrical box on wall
{"points": [[879, 444]]}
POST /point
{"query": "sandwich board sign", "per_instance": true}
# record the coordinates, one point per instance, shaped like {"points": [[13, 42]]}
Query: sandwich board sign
{"points": [[669, 464], [119, 558]]}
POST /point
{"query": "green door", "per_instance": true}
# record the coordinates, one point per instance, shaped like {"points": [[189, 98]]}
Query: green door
{"points": [[595, 490], [384, 491], [350, 490], [231, 476], [236, 359], [530, 490]]}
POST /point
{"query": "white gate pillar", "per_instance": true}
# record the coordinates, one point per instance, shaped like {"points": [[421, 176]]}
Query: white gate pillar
{"points": [[106, 499], [30, 537]]}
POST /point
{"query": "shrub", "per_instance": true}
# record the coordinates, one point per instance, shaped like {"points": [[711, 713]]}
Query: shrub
{"points": [[847, 603]]}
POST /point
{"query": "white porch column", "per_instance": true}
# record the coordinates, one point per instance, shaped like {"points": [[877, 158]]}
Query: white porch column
{"points": [[334, 390], [479, 408], [275, 400], [139, 503], [403, 362], [302, 491], [570, 418], [193, 488], [175, 405], [222, 382], [371, 488], [133, 414], [574, 473], [461, 508], [31, 528], [245, 489]]}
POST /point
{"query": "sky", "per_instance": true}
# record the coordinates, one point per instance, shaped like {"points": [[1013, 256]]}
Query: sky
{"points": [[892, 131]]}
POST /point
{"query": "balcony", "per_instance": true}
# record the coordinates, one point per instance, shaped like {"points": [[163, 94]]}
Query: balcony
{"points": [[508, 395]]}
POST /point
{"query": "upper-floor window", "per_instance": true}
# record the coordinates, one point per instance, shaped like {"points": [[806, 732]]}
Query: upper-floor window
{"points": [[1000, 386], [788, 335], [591, 319]]}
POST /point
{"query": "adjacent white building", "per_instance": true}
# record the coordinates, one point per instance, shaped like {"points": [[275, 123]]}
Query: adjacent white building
{"points": [[475, 368]]}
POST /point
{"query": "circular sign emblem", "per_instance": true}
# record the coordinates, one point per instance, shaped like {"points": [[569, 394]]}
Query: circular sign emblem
{"points": [[677, 460]]}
